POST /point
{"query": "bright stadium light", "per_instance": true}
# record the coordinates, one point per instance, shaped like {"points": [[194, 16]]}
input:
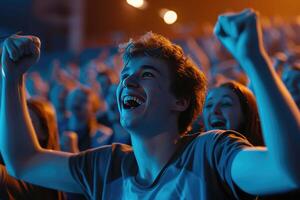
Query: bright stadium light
{"points": [[136, 3], [169, 16]]}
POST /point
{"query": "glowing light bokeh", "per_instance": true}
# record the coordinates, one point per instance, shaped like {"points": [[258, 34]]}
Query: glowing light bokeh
{"points": [[136, 3], [169, 16]]}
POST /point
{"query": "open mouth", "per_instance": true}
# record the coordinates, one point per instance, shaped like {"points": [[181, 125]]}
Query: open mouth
{"points": [[218, 124], [132, 102]]}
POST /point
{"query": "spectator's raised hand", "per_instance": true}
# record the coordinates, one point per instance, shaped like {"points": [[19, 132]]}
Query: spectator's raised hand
{"points": [[241, 34], [19, 53], [69, 142]]}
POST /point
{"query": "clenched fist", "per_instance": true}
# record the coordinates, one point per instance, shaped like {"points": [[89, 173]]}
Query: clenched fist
{"points": [[18, 54], [241, 34]]}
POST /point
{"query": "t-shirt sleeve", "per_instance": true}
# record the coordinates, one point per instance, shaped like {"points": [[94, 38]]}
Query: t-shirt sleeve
{"points": [[223, 147], [89, 168]]}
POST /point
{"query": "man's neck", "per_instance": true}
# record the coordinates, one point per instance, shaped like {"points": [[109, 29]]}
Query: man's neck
{"points": [[153, 153]]}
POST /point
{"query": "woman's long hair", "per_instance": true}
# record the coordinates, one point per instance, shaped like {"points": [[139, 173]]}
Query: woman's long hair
{"points": [[251, 127], [46, 114]]}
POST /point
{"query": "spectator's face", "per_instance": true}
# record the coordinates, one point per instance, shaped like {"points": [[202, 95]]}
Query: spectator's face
{"points": [[291, 79], [104, 83], [144, 97], [58, 98], [222, 110], [112, 105], [79, 106]]}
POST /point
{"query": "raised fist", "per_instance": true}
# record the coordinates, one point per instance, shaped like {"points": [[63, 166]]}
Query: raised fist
{"points": [[18, 54], [241, 34]]}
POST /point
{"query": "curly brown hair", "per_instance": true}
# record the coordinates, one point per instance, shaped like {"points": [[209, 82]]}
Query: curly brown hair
{"points": [[187, 81]]}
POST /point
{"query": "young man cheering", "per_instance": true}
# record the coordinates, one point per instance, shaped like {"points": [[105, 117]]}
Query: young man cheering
{"points": [[159, 95]]}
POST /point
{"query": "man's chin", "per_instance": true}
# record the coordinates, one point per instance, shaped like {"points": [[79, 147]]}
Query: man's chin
{"points": [[129, 124]]}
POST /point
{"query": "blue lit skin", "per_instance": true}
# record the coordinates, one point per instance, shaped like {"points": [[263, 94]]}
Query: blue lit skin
{"points": [[275, 168], [222, 104], [153, 124], [149, 79]]}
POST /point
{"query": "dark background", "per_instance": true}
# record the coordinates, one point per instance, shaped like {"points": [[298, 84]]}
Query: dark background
{"points": [[77, 24]]}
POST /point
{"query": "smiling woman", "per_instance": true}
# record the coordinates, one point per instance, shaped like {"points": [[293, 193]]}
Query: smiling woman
{"points": [[232, 106]]}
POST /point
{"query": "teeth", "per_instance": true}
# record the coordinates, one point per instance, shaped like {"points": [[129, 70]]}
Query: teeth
{"points": [[128, 98]]}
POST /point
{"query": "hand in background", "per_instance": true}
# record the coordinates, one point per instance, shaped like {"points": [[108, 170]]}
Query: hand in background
{"points": [[69, 142]]}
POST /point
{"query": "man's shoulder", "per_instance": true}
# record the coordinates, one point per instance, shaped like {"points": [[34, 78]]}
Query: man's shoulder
{"points": [[217, 133], [106, 151], [99, 159], [215, 138]]}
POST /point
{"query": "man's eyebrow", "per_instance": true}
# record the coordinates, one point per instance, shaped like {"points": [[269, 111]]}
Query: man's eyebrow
{"points": [[151, 67], [126, 68]]}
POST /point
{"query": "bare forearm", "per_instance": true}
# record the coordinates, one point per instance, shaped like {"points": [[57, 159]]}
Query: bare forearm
{"points": [[280, 117], [23, 156], [18, 141]]}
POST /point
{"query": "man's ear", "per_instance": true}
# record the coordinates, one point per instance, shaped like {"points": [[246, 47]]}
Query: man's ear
{"points": [[181, 104]]}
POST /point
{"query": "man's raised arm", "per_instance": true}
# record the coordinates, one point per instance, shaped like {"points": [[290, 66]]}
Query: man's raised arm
{"points": [[275, 168], [23, 156]]}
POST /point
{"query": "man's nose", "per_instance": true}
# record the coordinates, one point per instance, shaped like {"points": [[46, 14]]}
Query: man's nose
{"points": [[131, 81]]}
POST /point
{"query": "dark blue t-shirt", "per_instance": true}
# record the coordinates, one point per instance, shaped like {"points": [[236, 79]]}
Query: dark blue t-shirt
{"points": [[199, 169]]}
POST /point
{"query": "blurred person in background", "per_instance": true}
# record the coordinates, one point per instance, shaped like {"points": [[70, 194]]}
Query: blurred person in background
{"points": [[69, 142], [58, 95], [42, 115], [226, 71], [82, 105], [105, 77], [73, 69], [291, 78], [36, 86], [120, 135]]}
